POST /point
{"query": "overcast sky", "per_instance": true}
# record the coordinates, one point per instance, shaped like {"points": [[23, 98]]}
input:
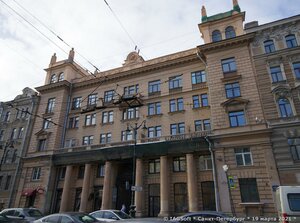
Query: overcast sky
{"points": [[157, 27]]}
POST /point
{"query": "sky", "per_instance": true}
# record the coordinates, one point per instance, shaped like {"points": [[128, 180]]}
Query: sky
{"points": [[156, 27]]}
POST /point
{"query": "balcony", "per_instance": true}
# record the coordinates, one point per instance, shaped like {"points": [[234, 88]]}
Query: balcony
{"points": [[284, 121], [129, 101]]}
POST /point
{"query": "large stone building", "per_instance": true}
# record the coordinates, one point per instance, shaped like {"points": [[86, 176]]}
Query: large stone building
{"points": [[276, 56], [16, 120], [188, 130]]}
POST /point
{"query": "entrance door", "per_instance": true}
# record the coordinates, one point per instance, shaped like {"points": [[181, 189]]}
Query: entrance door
{"points": [[208, 196], [154, 200], [98, 190], [57, 200]]}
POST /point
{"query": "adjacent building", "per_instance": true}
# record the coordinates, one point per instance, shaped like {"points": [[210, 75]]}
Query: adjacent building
{"points": [[16, 120], [193, 130]]}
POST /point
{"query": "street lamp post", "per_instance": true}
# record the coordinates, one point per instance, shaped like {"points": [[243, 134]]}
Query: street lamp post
{"points": [[134, 128], [225, 168]]}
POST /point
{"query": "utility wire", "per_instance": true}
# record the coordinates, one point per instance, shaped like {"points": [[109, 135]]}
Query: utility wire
{"points": [[55, 34]]}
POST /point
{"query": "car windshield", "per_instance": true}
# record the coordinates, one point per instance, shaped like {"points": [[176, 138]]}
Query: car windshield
{"points": [[34, 213], [85, 218], [122, 215]]}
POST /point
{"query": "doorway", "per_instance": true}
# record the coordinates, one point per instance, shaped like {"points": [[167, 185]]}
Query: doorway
{"points": [[154, 200], [208, 196]]}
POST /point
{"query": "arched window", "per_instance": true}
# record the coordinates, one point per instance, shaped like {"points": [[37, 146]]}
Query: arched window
{"points": [[7, 116], [53, 78], [229, 32], [216, 36], [269, 46], [61, 77], [291, 41], [285, 108]]}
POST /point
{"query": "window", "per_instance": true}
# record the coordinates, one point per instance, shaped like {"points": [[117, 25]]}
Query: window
{"points": [[130, 113], [205, 162], [291, 41], [269, 46], [180, 198], [13, 134], [53, 78], [295, 148], [70, 143], [198, 77], [7, 116], [206, 124], [175, 82], [92, 100], [65, 219], [47, 123], [1, 179], [177, 128], [81, 172], [36, 173], [41, 145], [107, 117], [100, 170], [216, 36], [50, 105], [154, 131], [73, 122], [276, 74], [154, 108], [285, 108], [237, 118], [204, 100], [21, 133], [7, 183], [243, 157], [24, 112], [61, 77], [130, 90], [196, 101], [1, 135], [126, 135], [179, 164], [229, 32], [228, 65], [154, 86], [87, 140], [77, 199], [105, 138], [232, 90], [154, 166], [294, 201], [109, 96], [76, 103], [90, 119], [198, 125], [249, 191], [296, 67], [176, 105]]}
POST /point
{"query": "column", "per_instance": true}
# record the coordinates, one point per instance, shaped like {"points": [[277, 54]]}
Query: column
{"points": [[138, 199], [66, 190], [192, 183], [85, 188], [164, 187], [107, 188]]}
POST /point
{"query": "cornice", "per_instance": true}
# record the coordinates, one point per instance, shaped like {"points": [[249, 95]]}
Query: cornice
{"points": [[246, 38], [53, 86]]}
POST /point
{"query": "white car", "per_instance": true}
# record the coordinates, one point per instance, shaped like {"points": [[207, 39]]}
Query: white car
{"points": [[109, 215]]}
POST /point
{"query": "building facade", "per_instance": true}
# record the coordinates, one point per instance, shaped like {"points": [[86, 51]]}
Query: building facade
{"points": [[184, 132], [276, 56], [15, 128]]}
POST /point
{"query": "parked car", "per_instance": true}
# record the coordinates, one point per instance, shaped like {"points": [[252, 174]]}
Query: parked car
{"points": [[110, 215], [205, 217], [288, 203], [27, 214], [71, 217], [145, 220], [4, 219]]}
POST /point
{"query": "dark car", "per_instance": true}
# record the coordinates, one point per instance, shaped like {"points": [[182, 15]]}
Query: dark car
{"points": [[71, 217], [145, 220], [205, 217], [26, 214], [5, 219]]}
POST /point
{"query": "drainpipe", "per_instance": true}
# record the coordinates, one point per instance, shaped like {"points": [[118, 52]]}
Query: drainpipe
{"points": [[22, 153], [217, 196]]}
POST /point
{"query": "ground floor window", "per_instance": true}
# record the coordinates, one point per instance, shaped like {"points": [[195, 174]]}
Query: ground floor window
{"points": [[248, 189], [98, 190], [57, 200], [180, 198], [77, 199]]}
